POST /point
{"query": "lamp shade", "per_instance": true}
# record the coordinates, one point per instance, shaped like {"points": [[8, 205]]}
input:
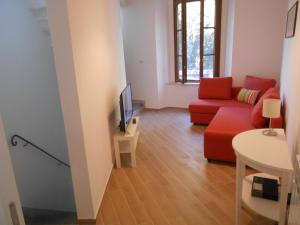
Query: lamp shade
{"points": [[271, 108]]}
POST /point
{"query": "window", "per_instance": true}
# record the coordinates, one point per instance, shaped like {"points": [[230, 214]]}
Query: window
{"points": [[197, 39]]}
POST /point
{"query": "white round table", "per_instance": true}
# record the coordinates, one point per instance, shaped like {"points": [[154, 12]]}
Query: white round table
{"points": [[269, 155]]}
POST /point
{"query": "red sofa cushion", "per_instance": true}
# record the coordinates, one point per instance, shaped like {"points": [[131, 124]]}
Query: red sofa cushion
{"points": [[211, 106], [215, 88], [228, 122], [231, 121], [257, 83], [257, 120]]}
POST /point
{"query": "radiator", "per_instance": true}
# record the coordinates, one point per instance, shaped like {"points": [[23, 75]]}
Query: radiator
{"points": [[294, 210]]}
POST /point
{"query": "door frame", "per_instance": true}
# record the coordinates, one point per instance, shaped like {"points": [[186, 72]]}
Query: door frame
{"points": [[9, 196]]}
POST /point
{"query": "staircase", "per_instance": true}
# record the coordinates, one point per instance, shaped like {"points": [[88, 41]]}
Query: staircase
{"points": [[34, 216], [48, 217], [39, 10], [137, 106]]}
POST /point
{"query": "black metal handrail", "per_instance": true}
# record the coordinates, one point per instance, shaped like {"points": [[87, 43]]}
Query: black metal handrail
{"points": [[14, 142]]}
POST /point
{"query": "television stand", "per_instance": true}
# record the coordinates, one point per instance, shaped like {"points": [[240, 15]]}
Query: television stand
{"points": [[126, 142]]}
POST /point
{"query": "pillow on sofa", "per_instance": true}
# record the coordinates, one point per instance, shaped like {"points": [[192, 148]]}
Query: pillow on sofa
{"points": [[215, 88], [257, 120], [247, 96], [257, 83]]}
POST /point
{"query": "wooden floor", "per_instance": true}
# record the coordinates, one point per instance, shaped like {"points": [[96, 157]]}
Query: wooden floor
{"points": [[172, 184]]}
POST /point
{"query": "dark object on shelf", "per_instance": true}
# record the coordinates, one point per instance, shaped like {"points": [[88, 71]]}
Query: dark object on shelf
{"points": [[289, 198], [265, 188], [134, 120]]}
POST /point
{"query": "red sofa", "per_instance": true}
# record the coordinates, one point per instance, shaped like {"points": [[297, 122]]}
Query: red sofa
{"points": [[227, 117]]}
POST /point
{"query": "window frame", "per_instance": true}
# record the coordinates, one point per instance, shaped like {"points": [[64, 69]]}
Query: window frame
{"points": [[217, 40]]}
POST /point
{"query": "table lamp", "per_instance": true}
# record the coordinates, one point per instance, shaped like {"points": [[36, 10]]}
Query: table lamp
{"points": [[271, 110]]}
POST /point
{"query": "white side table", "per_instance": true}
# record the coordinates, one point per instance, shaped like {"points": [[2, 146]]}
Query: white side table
{"points": [[127, 142], [269, 155]]}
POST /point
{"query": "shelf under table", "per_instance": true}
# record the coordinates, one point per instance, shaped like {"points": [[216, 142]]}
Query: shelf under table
{"points": [[264, 207]]}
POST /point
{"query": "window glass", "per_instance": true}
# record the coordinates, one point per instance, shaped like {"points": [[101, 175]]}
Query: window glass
{"points": [[193, 39], [209, 41], [197, 36], [179, 16], [209, 13], [208, 66], [179, 42], [179, 60]]}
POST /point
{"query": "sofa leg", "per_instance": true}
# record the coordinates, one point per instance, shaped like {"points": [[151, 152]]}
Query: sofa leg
{"points": [[209, 160], [199, 124]]}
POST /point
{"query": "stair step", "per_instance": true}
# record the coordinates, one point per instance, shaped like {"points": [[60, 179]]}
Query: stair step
{"points": [[42, 217], [137, 106], [38, 4], [38, 9]]}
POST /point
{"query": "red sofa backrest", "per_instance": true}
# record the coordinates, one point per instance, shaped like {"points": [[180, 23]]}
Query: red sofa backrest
{"points": [[215, 88], [235, 91], [257, 119], [259, 83]]}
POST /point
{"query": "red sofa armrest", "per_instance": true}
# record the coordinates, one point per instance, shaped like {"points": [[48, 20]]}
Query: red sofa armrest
{"points": [[235, 91]]}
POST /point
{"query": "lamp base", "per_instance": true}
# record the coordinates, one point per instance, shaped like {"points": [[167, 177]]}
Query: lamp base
{"points": [[269, 132]]}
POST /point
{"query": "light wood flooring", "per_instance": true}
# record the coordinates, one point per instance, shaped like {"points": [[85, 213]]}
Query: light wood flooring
{"points": [[172, 184]]}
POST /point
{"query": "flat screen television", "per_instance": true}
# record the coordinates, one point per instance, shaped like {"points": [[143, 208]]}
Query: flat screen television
{"points": [[125, 108]]}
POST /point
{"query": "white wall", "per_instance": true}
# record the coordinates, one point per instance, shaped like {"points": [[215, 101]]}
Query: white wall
{"points": [[30, 106], [8, 187], [290, 89], [258, 32], [149, 53], [140, 49], [89, 58], [252, 45], [161, 42], [229, 37]]}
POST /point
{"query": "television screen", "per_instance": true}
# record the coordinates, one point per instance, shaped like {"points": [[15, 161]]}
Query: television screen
{"points": [[125, 107]]}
